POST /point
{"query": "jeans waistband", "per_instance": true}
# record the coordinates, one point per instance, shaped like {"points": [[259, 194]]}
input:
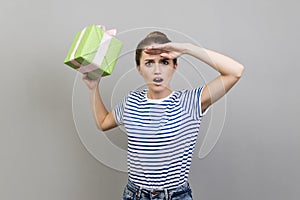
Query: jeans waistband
{"points": [[172, 192]]}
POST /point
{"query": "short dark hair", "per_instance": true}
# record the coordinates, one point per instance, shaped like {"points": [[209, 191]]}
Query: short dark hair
{"points": [[155, 37]]}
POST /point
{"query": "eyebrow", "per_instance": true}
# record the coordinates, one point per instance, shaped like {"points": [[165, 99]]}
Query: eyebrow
{"points": [[161, 59], [148, 59]]}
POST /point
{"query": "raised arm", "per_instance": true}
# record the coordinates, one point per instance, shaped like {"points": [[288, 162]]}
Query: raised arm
{"points": [[229, 69], [104, 120]]}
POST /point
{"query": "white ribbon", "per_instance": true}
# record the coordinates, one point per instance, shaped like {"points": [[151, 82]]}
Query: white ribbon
{"points": [[73, 61]]}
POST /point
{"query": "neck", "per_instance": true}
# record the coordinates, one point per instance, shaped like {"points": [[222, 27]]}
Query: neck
{"points": [[158, 95]]}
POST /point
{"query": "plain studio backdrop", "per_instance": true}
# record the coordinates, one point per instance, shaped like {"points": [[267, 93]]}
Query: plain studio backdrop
{"points": [[49, 146]]}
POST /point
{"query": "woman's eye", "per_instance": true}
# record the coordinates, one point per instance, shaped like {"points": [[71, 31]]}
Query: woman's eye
{"points": [[148, 63], [165, 62]]}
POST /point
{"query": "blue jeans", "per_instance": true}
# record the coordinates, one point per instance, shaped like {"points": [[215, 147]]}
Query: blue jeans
{"points": [[134, 192]]}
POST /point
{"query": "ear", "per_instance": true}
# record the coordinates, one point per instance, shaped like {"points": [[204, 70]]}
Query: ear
{"points": [[175, 66]]}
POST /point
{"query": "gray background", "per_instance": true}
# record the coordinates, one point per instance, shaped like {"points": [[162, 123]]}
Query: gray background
{"points": [[41, 153]]}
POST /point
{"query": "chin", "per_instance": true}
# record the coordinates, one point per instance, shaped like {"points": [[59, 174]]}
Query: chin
{"points": [[158, 88]]}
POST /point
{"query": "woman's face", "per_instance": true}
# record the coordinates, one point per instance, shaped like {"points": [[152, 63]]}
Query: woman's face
{"points": [[157, 71]]}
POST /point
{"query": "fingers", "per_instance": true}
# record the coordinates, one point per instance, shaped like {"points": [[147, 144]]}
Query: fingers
{"points": [[165, 50], [154, 51], [162, 53], [157, 46], [166, 55], [84, 76]]}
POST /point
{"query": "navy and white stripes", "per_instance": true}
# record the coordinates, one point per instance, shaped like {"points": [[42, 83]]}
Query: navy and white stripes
{"points": [[161, 136]]}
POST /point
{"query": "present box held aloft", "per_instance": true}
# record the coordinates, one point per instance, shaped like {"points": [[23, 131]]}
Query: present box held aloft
{"points": [[94, 51]]}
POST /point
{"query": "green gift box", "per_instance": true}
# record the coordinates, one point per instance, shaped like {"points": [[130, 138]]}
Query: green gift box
{"points": [[94, 51]]}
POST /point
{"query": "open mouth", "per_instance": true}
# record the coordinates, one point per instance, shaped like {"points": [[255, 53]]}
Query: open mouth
{"points": [[158, 80]]}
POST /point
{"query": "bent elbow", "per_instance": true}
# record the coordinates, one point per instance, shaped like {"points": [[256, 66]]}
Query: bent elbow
{"points": [[240, 70], [102, 128]]}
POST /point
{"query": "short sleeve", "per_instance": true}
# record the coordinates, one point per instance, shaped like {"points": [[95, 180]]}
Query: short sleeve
{"points": [[192, 103], [119, 111], [200, 109]]}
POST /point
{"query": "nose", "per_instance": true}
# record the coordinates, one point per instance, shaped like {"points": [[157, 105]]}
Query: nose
{"points": [[157, 69]]}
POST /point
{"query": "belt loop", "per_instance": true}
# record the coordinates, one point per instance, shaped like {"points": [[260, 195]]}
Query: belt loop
{"points": [[166, 194], [138, 193]]}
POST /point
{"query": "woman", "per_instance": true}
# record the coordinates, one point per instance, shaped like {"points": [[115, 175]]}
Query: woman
{"points": [[162, 125]]}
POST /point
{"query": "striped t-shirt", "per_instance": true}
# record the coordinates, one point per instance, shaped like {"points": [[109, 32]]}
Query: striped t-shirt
{"points": [[161, 136]]}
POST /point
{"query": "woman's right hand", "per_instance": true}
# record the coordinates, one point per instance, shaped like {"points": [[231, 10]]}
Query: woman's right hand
{"points": [[91, 83]]}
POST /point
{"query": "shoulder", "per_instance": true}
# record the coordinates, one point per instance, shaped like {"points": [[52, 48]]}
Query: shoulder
{"points": [[136, 96], [195, 92]]}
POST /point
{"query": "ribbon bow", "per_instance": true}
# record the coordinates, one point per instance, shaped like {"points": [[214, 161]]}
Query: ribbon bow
{"points": [[112, 32]]}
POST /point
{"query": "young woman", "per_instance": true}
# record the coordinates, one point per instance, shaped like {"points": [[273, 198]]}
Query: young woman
{"points": [[162, 124]]}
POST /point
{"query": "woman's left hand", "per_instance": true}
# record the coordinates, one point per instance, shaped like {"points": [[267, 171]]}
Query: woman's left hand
{"points": [[169, 50]]}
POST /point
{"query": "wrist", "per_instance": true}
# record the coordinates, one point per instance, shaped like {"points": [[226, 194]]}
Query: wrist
{"points": [[94, 89], [187, 48]]}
